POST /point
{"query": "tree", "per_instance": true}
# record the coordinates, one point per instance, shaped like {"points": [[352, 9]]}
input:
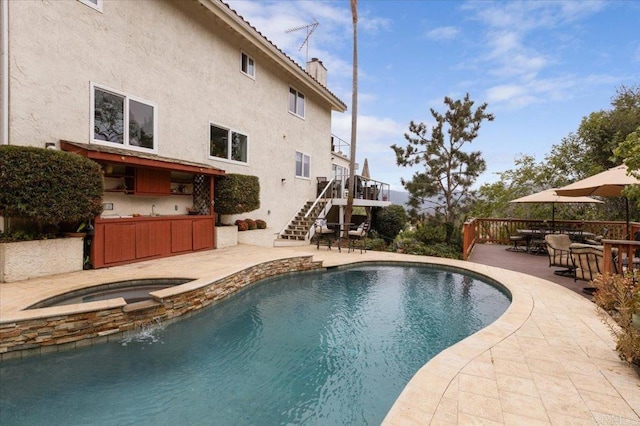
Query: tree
{"points": [[354, 115], [389, 221], [449, 171], [603, 131], [629, 152]]}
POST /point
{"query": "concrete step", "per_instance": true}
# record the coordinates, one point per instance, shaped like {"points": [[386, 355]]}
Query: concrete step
{"points": [[280, 242]]}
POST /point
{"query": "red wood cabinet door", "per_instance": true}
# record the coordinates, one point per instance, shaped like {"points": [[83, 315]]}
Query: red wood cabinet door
{"points": [[181, 236], [202, 234], [153, 181], [153, 239], [119, 242]]}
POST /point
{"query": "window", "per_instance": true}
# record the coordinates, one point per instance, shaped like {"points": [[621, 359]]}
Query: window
{"points": [[227, 144], [247, 65], [296, 102], [96, 4], [121, 119], [303, 162]]}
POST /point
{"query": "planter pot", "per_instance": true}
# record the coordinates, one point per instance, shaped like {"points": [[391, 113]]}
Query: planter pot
{"points": [[257, 237], [31, 259], [226, 236]]}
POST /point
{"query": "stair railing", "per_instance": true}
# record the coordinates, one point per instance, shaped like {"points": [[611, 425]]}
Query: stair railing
{"points": [[321, 196], [282, 231]]}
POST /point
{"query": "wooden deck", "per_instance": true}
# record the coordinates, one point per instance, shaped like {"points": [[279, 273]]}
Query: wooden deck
{"points": [[532, 264]]}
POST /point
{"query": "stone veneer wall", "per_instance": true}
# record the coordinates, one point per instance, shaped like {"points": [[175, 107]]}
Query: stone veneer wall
{"points": [[64, 332]]}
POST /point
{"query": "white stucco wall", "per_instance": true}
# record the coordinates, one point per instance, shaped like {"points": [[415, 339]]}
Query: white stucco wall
{"points": [[31, 259], [180, 57], [226, 236]]}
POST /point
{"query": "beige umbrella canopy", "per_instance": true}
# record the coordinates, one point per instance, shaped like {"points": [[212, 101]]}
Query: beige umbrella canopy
{"points": [[550, 196], [609, 183], [365, 170]]}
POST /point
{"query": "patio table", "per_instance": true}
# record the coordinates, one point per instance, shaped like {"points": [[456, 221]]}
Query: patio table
{"points": [[539, 234], [339, 228]]}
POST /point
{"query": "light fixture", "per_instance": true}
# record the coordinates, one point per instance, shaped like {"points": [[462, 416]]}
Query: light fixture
{"points": [[50, 145], [283, 180]]}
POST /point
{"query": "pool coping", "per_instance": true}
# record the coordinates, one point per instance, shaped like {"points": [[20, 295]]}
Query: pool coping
{"points": [[548, 359]]}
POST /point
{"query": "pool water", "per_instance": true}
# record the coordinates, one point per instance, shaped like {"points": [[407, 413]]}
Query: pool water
{"points": [[322, 348]]}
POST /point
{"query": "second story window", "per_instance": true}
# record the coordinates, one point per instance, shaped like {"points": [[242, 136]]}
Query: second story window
{"points": [[296, 102], [247, 65], [303, 163], [118, 118], [227, 144]]}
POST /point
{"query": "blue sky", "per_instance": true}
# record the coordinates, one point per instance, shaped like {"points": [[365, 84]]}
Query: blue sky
{"points": [[541, 66]]}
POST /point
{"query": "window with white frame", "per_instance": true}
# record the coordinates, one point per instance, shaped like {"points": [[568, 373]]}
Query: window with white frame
{"points": [[227, 144], [118, 118], [296, 102], [303, 163], [247, 65], [96, 4]]}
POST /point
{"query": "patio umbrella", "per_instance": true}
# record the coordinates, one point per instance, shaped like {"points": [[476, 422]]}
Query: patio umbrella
{"points": [[550, 196], [609, 183], [365, 169]]}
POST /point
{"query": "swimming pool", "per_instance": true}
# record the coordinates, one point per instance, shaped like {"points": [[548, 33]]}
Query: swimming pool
{"points": [[332, 347]]}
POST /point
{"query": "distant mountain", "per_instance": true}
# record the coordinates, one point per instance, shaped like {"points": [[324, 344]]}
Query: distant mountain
{"points": [[399, 197], [402, 197]]}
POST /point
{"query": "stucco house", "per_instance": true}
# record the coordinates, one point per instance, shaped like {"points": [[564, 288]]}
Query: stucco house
{"points": [[167, 96]]}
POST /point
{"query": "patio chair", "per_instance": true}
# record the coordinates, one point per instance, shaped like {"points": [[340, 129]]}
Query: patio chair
{"points": [[597, 240], [559, 253], [322, 231], [517, 240], [588, 260], [359, 234]]}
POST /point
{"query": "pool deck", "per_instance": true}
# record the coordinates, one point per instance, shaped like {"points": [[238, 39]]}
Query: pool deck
{"points": [[548, 360]]}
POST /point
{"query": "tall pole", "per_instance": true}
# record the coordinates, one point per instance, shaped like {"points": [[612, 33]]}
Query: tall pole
{"points": [[354, 116]]}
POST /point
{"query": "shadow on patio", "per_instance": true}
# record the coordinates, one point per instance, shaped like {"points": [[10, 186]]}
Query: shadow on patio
{"points": [[532, 264]]}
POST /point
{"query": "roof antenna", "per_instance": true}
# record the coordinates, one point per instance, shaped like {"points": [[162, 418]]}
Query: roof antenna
{"points": [[310, 29]]}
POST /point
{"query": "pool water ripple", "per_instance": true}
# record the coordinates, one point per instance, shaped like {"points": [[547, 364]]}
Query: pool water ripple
{"points": [[327, 348]]}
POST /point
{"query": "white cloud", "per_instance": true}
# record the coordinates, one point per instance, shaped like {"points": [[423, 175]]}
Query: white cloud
{"points": [[443, 33]]}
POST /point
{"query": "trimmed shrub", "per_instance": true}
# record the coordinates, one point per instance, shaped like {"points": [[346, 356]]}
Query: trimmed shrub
{"points": [[235, 194], [251, 224], [48, 187], [261, 224], [242, 225], [389, 221]]}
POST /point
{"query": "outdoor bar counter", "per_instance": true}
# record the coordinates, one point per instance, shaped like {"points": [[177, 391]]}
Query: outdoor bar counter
{"points": [[123, 239]]}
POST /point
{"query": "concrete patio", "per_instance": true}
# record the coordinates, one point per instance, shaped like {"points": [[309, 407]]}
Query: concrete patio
{"points": [[548, 360]]}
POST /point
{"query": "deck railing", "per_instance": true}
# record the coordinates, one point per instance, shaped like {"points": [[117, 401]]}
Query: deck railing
{"points": [[367, 188], [494, 230], [622, 263], [340, 146]]}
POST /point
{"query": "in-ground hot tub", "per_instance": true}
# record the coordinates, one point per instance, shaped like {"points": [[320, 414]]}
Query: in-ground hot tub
{"points": [[130, 290]]}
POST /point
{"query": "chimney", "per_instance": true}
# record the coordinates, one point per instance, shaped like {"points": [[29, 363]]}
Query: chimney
{"points": [[317, 71]]}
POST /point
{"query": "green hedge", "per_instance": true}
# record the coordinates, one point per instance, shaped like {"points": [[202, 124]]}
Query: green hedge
{"points": [[389, 221], [235, 194], [48, 186]]}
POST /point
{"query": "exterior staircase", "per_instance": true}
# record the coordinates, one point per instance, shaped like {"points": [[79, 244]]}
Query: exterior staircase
{"points": [[297, 232]]}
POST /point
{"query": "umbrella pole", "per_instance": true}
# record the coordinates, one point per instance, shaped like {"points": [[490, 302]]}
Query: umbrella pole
{"points": [[626, 202], [553, 217]]}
